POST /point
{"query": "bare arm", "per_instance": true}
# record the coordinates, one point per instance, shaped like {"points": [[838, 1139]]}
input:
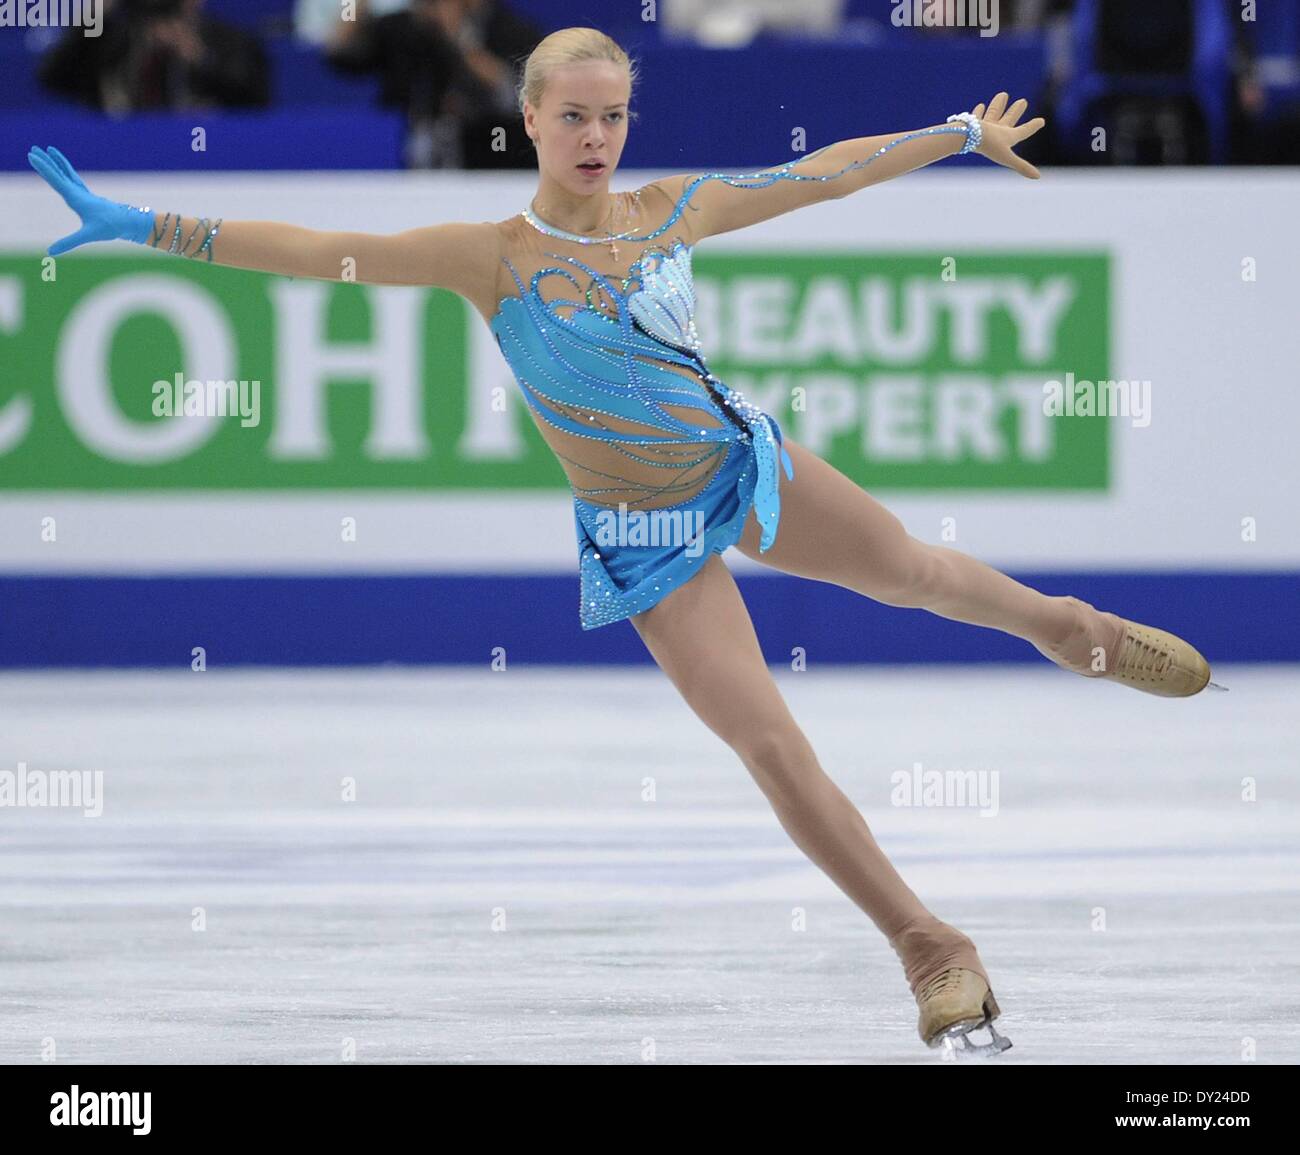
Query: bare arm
{"points": [[718, 202], [461, 257]]}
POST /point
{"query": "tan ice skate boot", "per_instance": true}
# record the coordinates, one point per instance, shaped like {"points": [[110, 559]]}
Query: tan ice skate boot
{"points": [[955, 1003], [952, 991], [1105, 646], [1159, 663]]}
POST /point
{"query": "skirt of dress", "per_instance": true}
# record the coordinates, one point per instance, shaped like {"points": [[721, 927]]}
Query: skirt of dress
{"points": [[630, 560]]}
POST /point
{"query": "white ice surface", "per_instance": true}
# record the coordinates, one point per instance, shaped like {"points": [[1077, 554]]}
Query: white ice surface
{"points": [[502, 890]]}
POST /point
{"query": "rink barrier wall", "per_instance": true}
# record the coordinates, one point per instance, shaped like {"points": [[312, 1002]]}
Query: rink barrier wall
{"points": [[931, 417], [82, 621]]}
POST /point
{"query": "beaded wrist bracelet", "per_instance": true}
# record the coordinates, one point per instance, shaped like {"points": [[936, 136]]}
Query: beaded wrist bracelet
{"points": [[974, 131]]}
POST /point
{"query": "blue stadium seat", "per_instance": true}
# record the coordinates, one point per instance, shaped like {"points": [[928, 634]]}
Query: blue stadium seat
{"points": [[21, 89], [302, 76], [621, 21], [1206, 81], [1277, 50], [252, 14]]}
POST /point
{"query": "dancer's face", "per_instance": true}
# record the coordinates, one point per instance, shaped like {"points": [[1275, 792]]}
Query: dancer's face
{"points": [[582, 117]]}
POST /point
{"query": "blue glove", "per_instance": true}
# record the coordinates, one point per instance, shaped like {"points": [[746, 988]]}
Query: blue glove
{"points": [[101, 220]]}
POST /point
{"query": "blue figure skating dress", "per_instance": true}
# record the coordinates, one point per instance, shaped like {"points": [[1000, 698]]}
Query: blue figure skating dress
{"points": [[664, 461]]}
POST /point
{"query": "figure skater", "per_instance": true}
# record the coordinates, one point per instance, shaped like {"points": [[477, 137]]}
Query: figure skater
{"points": [[589, 296]]}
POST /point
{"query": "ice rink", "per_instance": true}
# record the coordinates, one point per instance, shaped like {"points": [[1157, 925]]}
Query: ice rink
{"points": [[546, 865]]}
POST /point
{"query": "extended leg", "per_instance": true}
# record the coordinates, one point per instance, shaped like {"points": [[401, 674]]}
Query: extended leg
{"points": [[702, 637], [833, 531]]}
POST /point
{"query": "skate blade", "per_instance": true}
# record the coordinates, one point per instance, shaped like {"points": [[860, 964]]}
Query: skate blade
{"points": [[1216, 686], [956, 1042]]}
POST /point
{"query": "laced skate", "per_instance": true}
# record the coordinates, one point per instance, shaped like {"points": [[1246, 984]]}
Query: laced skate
{"points": [[953, 1004], [949, 983], [1105, 646], [1159, 663]]}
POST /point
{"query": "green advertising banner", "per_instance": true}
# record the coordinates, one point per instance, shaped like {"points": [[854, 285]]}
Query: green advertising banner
{"points": [[908, 371]]}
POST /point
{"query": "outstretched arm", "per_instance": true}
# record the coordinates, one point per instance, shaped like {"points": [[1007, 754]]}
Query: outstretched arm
{"points": [[460, 257], [448, 256], [718, 203]]}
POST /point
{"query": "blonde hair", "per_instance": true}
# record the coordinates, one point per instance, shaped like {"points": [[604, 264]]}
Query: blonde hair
{"points": [[568, 46]]}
